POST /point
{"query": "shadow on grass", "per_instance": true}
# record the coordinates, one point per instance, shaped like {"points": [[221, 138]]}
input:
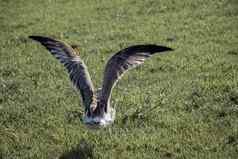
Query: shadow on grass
{"points": [[83, 150]]}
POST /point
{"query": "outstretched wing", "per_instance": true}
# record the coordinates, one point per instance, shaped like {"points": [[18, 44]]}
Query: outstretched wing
{"points": [[76, 68], [124, 60]]}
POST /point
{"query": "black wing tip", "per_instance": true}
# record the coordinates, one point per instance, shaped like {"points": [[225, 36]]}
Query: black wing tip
{"points": [[40, 38], [158, 48], [36, 37], [151, 48]]}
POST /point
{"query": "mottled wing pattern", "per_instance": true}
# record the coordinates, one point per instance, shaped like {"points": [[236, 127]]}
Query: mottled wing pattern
{"points": [[76, 68], [124, 60]]}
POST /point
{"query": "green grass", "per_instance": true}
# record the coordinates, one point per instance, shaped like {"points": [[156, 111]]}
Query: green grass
{"points": [[183, 104]]}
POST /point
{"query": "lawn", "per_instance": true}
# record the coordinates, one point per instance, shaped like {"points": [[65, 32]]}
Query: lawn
{"points": [[178, 105]]}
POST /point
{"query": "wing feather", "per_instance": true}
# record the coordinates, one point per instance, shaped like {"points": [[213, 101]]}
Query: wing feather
{"points": [[78, 72], [124, 60]]}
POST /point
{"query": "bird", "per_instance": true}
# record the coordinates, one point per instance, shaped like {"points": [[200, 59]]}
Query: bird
{"points": [[97, 109]]}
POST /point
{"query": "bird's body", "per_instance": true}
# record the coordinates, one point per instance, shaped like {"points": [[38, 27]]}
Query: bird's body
{"points": [[98, 111], [99, 118]]}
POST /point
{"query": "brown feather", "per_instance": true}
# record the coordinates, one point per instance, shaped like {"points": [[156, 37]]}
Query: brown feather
{"points": [[121, 62], [76, 68]]}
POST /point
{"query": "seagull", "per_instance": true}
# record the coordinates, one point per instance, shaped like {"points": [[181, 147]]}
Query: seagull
{"points": [[98, 112]]}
